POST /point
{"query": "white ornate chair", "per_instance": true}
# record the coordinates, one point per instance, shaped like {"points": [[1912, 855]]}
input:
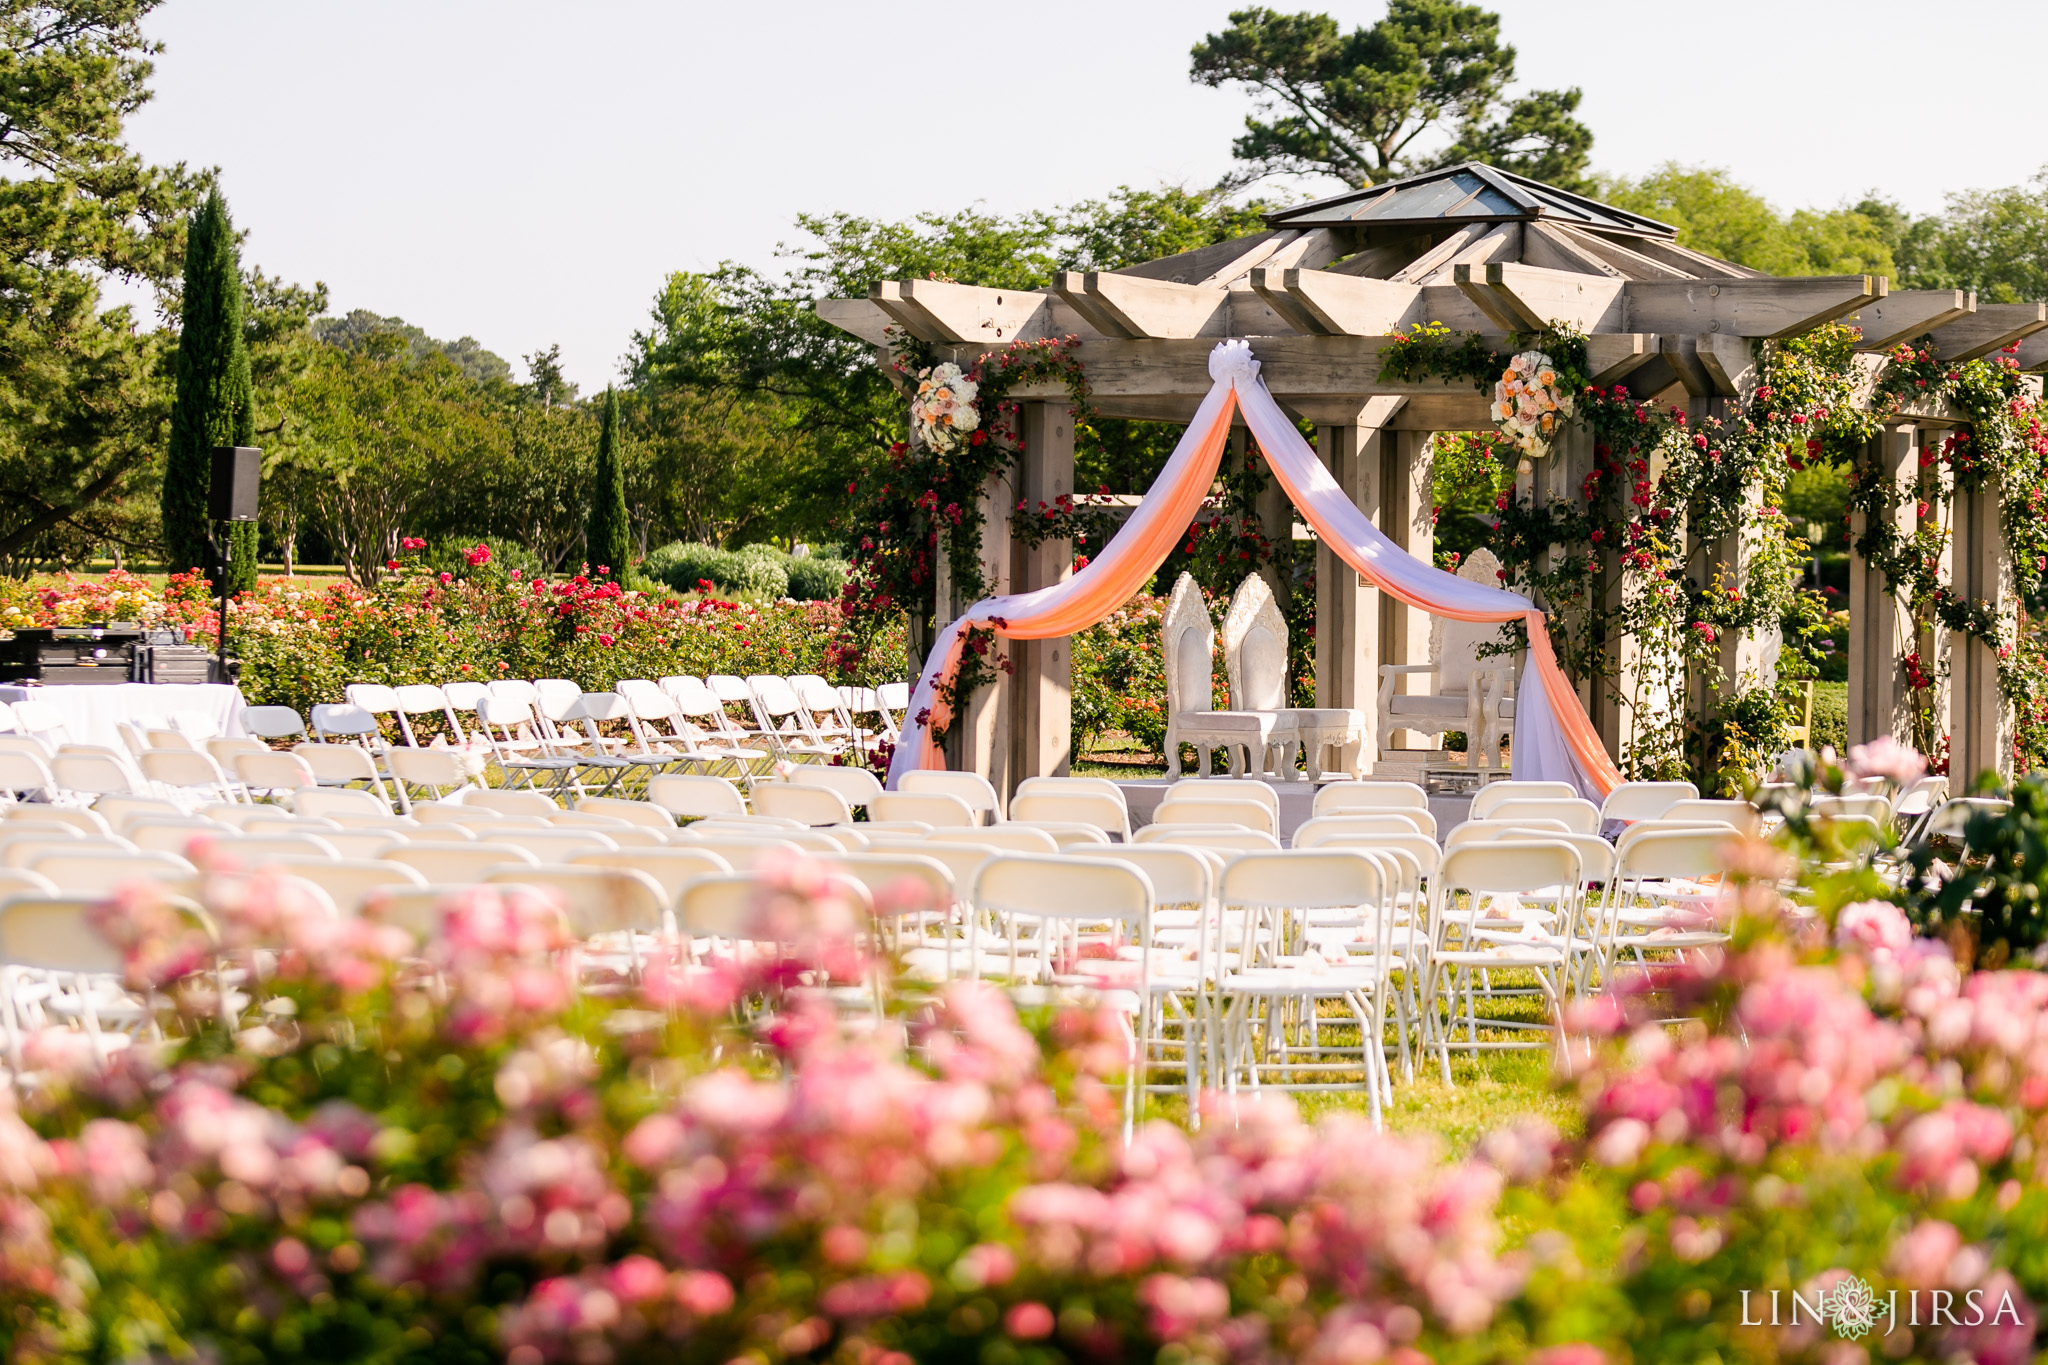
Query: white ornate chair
{"points": [[1255, 661], [1187, 639], [1473, 695]]}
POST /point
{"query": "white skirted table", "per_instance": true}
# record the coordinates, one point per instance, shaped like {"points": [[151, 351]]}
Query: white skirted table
{"points": [[91, 713]]}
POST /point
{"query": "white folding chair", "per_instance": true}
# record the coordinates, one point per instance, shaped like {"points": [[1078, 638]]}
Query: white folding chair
{"points": [[1085, 807], [1644, 800], [857, 786], [1579, 816], [972, 788], [1494, 793], [1523, 900], [1213, 810], [695, 795], [812, 805], [938, 809], [1361, 797]]}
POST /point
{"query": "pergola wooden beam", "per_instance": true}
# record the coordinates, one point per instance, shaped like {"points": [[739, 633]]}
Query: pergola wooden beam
{"points": [[1993, 327], [1761, 307], [1529, 298], [1906, 314], [1155, 310], [941, 311]]}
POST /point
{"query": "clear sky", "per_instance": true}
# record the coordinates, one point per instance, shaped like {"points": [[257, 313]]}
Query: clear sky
{"points": [[527, 173]]}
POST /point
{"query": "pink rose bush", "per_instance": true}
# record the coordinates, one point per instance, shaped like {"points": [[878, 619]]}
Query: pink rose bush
{"points": [[353, 1145]]}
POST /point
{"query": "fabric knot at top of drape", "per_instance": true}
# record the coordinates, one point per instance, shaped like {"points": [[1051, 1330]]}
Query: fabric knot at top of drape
{"points": [[1554, 739]]}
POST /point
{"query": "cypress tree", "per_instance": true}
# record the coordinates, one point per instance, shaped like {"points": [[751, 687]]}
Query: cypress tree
{"points": [[214, 404], [605, 539]]}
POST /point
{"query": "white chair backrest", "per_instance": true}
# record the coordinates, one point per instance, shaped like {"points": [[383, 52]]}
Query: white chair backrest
{"points": [[94, 773], [599, 900], [84, 821], [1195, 836], [375, 698], [1498, 831], [1454, 645], [273, 722], [1007, 838], [695, 795], [556, 697], [1255, 648], [266, 769], [1337, 879], [464, 696], [455, 862], [1506, 867], [1668, 854], [899, 881], [1101, 786], [53, 932], [644, 814], [1737, 815], [344, 719], [1324, 828], [1345, 798], [1579, 816], [856, 785], [97, 872], [511, 802], [1071, 807], [938, 809], [671, 868], [21, 771], [1420, 848], [747, 851], [1187, 649], [812, 805], [351, 882], [1493, 793], [1644, 800], [330, 801], [1225, 789], [1210, 810], [1178, 876], [1053, 887], [972, 788]]}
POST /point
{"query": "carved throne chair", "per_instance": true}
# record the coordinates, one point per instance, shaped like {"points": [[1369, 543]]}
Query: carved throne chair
{"points": [[1187, 655], [1468, 693]]}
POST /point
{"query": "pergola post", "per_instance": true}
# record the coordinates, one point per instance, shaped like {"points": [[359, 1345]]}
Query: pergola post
{"points": [[1407, 516], [1348, 608], [1041, 689], [979, 740], [1881, 629], [1749, 656], [1983, 724]]}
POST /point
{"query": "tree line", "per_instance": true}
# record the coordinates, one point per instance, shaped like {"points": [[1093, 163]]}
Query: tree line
{"points": [[739, 417]]}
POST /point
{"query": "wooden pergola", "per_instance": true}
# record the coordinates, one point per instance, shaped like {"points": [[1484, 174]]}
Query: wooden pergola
{"points": [[1321, 292]]}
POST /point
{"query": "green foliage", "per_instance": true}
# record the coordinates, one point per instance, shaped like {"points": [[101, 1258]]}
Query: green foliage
{"points": [[1996, 894], [1354, 104], [1992, 241], [1716, 215], [215, 400], [684, 566], [358, 325], [757, 571], [814, 578], [83, 391], [605, 539], [450, 555]]}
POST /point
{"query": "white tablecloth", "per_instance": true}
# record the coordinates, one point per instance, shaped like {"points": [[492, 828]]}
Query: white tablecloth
{"points": [[90, 713]]}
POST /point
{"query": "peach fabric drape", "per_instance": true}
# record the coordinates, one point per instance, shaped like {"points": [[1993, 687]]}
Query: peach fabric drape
{"points": [[1553, 738]]}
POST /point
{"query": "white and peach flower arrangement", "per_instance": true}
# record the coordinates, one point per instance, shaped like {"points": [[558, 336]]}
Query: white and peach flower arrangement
{"points": [[1529, 405], [943, 411]]}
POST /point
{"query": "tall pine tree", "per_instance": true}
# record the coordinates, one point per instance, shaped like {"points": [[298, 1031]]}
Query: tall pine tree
{"points": [[215, 403], [606, 540]]}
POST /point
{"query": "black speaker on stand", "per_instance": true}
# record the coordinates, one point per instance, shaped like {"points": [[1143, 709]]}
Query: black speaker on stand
{"points": [[231, 497]]}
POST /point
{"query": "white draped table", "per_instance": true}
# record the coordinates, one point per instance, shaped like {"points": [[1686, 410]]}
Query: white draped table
{"points": [[91, 713]]}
